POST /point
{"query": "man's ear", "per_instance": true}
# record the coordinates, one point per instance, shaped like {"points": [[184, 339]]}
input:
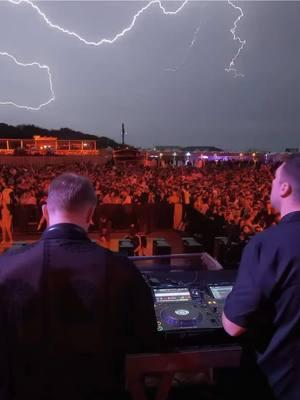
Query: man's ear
{"points": [[45, 213], [285, 189], [90, 213]]}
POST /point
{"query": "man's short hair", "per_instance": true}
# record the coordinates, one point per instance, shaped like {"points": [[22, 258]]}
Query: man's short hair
{"points": [[70, 192], [290, 172]]}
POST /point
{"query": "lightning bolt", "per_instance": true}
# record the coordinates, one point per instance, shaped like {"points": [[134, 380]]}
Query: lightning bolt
{"points": [[102, 41], [33, 64], [187, 53], [231, 67], [111, 41], [194, 37], [74, 34]]}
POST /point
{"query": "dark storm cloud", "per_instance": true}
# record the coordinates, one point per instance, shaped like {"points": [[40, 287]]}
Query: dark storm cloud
{"points": [[98, 88]]}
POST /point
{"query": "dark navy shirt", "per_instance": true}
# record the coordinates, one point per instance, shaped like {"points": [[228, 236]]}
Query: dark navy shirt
{"points": [[69, 312], [266, 300]]}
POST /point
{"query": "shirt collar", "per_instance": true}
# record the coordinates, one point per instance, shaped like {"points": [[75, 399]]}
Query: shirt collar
{"points": [[291, 217], [65, 231]]}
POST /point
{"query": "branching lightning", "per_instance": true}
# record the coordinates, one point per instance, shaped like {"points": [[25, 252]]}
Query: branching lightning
{"points": [[102, 41], [111, 41], [71, 33], [231, 67], [33, 64]]}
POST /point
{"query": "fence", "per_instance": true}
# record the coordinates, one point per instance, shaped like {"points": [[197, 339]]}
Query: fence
{"points": [[148, 217], [38, 161]]}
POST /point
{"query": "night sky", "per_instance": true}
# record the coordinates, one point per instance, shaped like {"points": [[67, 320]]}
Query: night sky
{"points": [[165, 79]]}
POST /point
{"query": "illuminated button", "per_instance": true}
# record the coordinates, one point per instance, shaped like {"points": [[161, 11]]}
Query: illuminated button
{"points": [[182, 312]]}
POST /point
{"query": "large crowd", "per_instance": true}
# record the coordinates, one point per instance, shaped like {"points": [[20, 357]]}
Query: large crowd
{"points": [[226, 198]]}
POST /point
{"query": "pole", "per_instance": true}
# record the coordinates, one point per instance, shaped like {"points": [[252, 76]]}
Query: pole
{"points": [[123, 133]]}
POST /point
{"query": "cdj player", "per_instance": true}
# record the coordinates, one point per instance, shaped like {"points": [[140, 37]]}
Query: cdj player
{"points": [[184, 308], [189, 305]]}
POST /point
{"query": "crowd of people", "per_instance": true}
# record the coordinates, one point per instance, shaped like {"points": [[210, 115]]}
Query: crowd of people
{"points": [[230, 199], [68, 304]]}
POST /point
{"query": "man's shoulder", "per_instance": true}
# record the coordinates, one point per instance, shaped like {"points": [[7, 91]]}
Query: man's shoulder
{"points": [[108, 256], [268, 234], [17, 257], [272, 238], [117, 259], [121, 266], [18, 250]]}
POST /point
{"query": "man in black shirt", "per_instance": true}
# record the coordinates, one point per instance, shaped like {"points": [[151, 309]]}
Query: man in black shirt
{"points": [[69, 309], [265, 300]]}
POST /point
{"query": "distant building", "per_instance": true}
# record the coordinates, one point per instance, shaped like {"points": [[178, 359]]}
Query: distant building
{"points": [[185, 149], [128, 155], [201, 148], [167, 148], [45, 145]]}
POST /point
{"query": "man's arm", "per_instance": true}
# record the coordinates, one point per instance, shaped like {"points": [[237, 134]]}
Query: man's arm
{"points": [[244, 304], [231, 328]]}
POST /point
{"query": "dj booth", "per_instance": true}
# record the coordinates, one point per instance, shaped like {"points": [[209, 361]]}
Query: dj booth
{"points": [[204, 359], [189, 292], [189, 302]]}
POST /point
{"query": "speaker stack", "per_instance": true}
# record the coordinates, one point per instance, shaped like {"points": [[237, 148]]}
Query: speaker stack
{"points": [[126, 247], [160, 248], [191, 245]]}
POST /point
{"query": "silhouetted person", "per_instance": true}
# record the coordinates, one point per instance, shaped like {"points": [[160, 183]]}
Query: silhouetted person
{"points": [[265, 300], [7, 208], [69, 309]]}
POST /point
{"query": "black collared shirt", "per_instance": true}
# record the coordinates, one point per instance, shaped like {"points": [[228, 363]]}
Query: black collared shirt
{"points": [[69, 312], [65, 230], [266, 300]]}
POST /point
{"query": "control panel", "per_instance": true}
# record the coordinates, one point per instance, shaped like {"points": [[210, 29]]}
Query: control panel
{"points": [[186, 308], [186, 302]]}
